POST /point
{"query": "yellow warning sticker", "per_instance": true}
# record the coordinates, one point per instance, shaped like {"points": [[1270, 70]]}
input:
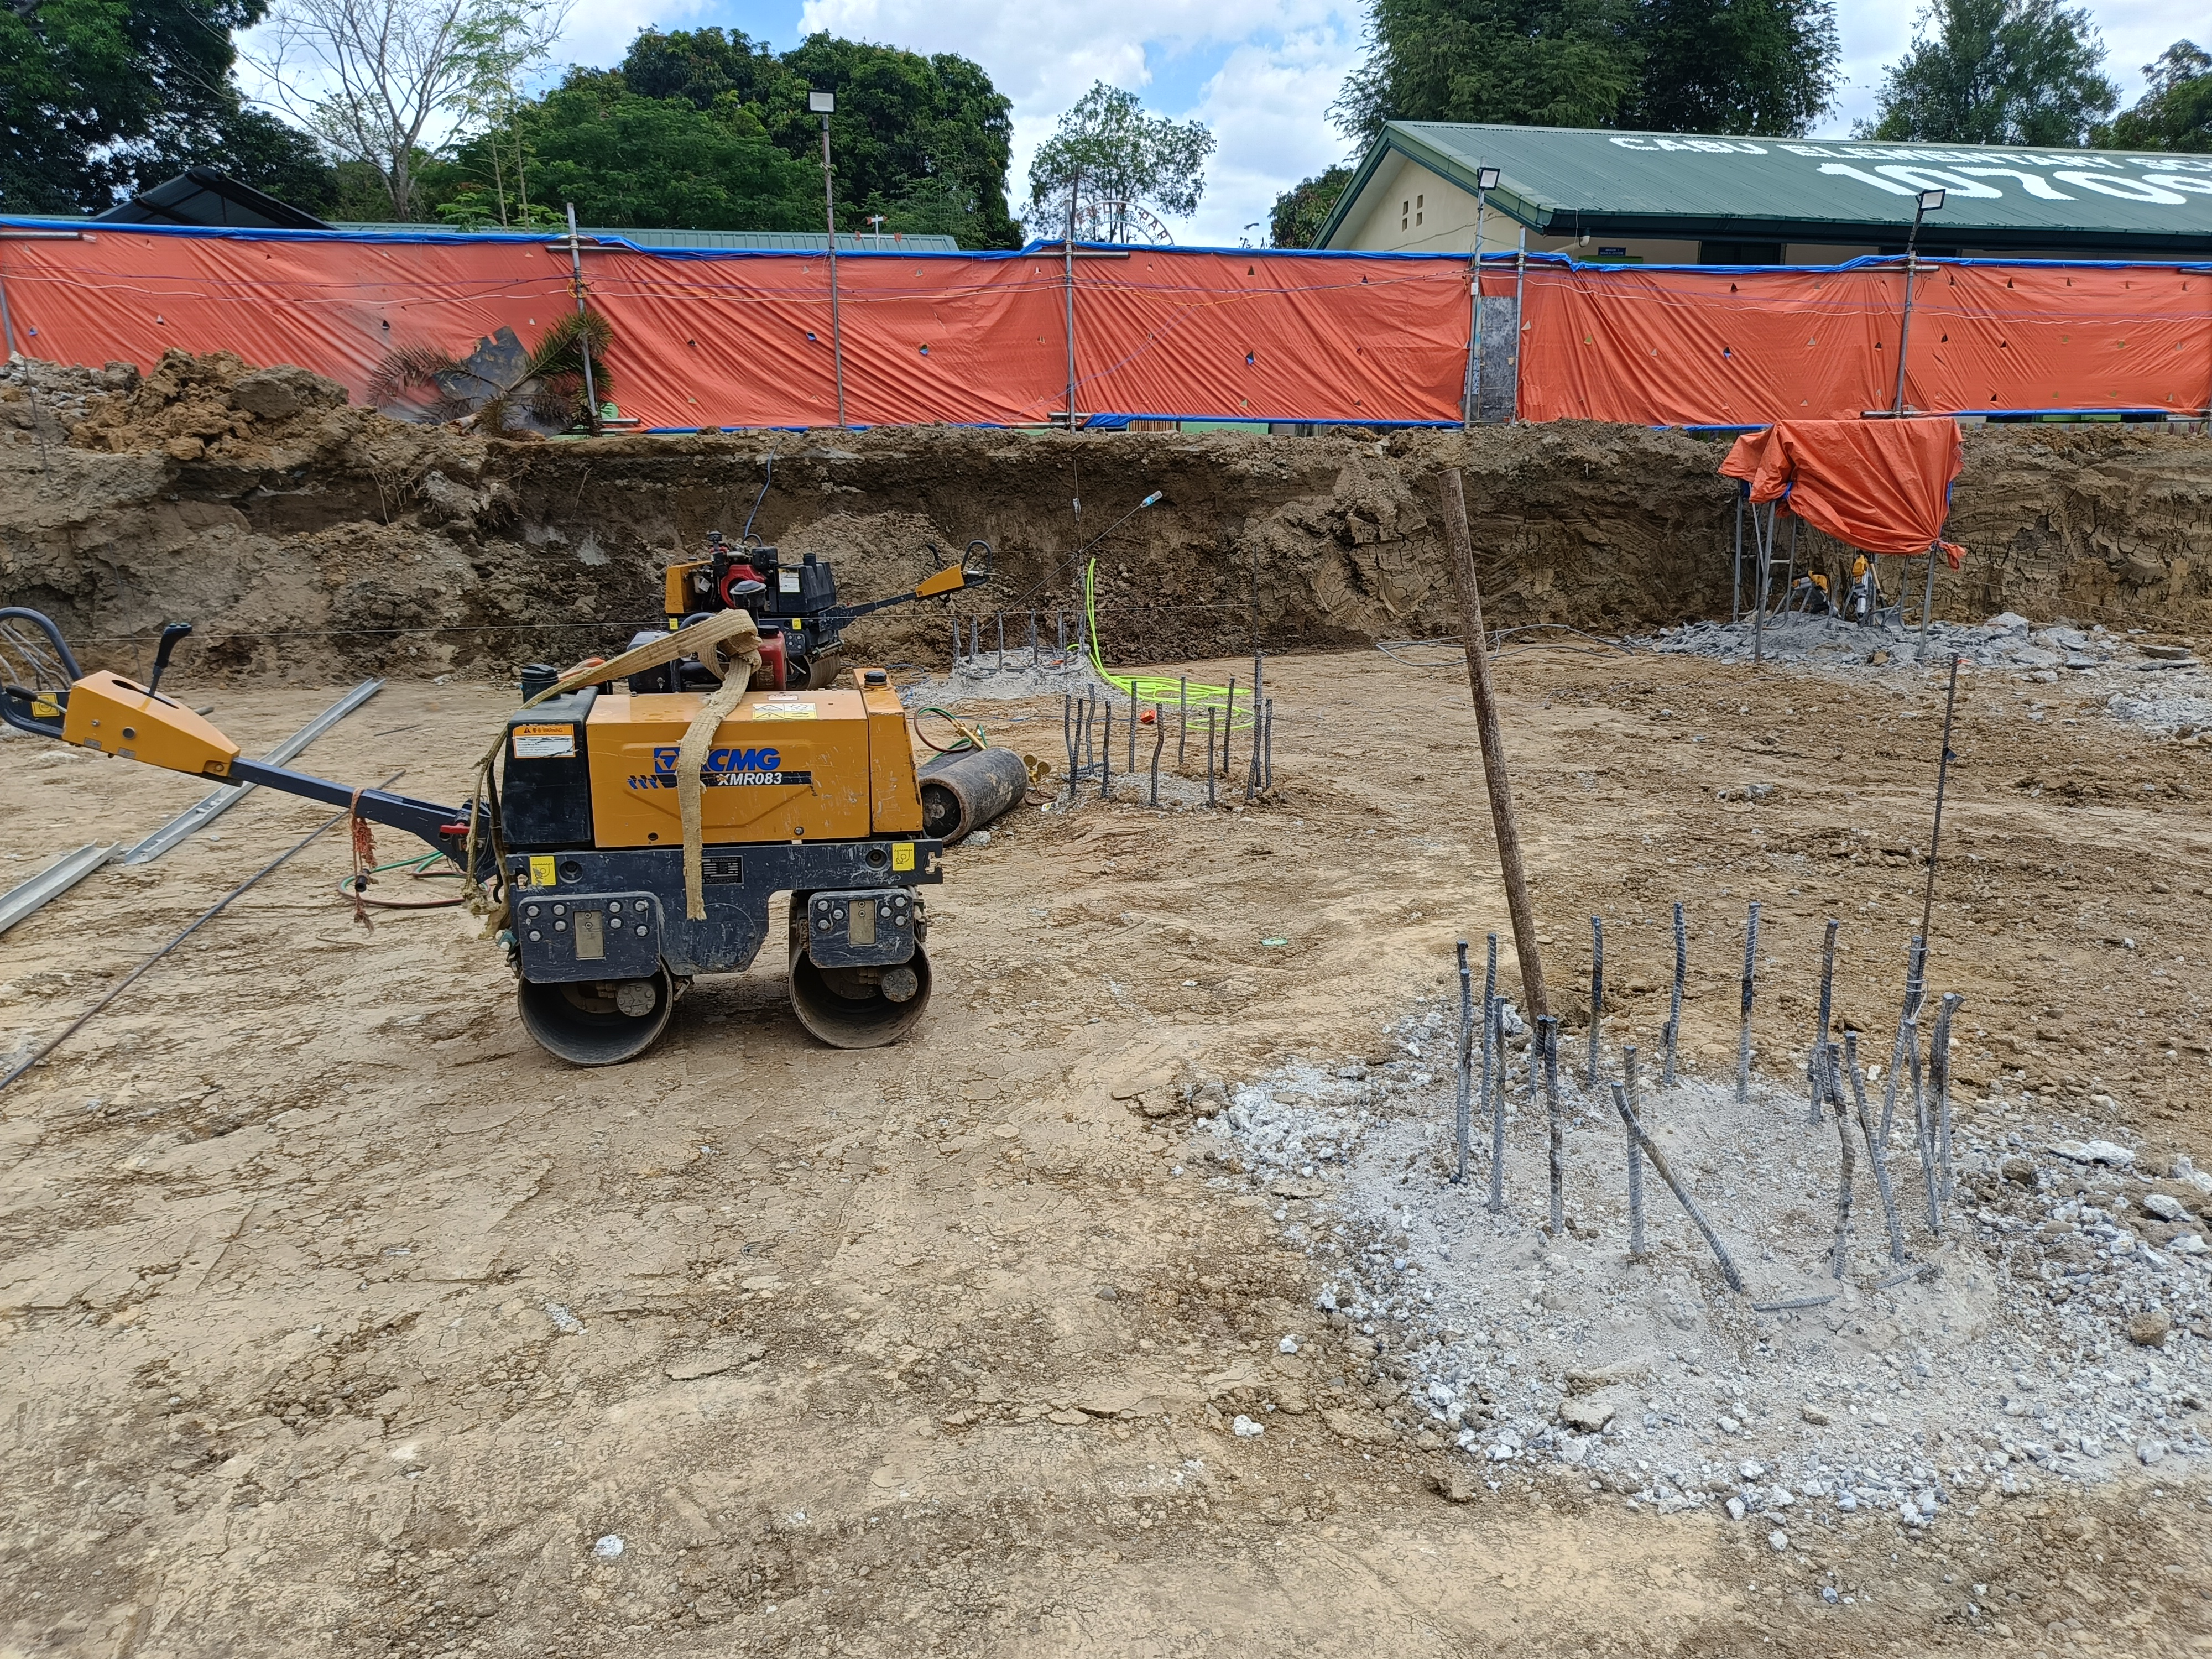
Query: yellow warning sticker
{"points": [[903, 856], [783, 711], [541, 871], [544, 742], [44, 707]]}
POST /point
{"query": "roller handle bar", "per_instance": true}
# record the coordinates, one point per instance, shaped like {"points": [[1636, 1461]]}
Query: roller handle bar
{"points": [[444, 828]]}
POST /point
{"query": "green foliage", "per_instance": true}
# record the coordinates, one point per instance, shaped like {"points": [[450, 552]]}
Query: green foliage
{"points": [[1996, 72], [1116, 158], [923, 141], [649, 162], [1746, 66], [2175, 111], [1300, 211], [100, 98]]}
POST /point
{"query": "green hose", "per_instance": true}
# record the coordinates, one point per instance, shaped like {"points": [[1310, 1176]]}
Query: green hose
{"points": [[1150, 688]]}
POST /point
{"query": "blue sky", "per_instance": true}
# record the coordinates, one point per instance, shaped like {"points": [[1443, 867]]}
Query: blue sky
{"points": [[1260, 73]]}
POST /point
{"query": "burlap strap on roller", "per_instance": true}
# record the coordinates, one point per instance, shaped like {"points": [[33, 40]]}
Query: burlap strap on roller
{"points": [[730, 634]]}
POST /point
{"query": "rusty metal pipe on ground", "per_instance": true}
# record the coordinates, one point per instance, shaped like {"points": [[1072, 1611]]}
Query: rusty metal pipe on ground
{"points": [[963, 792]]}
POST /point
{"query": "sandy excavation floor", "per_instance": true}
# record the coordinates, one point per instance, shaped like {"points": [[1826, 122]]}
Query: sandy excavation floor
{"points": [[336, 1318]]}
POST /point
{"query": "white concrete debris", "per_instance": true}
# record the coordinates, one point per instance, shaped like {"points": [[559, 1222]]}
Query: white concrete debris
{"points": [[2162, 688], [1995, 1359]]}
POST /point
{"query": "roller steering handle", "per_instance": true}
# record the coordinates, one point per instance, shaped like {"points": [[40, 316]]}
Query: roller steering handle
{"points": [[17, 703]]}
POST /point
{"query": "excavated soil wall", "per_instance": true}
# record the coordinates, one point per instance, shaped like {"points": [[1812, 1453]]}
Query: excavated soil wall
{"points": [[306, 537]]}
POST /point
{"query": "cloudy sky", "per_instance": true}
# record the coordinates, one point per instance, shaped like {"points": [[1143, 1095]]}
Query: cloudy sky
{"points": [[1260, 73]]}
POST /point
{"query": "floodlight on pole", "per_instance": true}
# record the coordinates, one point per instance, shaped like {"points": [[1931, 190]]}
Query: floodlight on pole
{"points": [[1486, 181], [824, 104], [1927, 202]]}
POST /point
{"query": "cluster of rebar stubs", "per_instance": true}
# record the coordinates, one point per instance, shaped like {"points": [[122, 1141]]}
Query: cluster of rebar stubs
{"points": [[968, 651], [1087, 728], [1829, 1068]]}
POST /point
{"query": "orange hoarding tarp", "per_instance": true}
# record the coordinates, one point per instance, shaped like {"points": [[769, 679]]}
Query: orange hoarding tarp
{"points": [[1676, 346], [745, 340], [1879, 486], [705, 340]]}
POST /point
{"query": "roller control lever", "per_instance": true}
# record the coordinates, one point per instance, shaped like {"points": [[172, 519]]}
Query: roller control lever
{"points": [[171, 634]]}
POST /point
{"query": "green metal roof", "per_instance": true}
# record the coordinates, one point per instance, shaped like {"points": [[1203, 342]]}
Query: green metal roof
{"points": [[771, 241], [1564, 181]]}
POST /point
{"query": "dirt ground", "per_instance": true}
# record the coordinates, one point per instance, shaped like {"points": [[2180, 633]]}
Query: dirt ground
{"points": [[335, 1318]]}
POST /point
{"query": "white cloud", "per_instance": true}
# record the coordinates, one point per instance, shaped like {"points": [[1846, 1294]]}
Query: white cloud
{"points": [[1266, 106]]}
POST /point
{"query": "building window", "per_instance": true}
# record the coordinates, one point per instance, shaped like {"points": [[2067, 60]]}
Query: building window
{"points": [[1416, 210], [1739, 253], [1404, 215]]}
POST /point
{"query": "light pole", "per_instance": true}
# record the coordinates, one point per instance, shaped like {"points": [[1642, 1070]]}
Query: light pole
{"points": [[824, 104], [1927, 202], [584, 339], [1067, 255], [1486, 181]]}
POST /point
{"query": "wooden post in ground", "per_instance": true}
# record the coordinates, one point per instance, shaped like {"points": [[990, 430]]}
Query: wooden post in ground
{"points": [[1494, 748]]}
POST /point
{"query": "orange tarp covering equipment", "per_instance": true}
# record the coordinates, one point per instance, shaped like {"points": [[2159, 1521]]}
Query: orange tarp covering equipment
{"points": [[711, 337], [1879, 486]]}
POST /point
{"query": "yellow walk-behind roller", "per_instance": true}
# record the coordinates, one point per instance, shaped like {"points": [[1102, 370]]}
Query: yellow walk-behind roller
{"points": [[578, 832]]}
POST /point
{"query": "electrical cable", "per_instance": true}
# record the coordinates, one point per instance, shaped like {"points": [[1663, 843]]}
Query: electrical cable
{"points": [[420, 867], [971, 737], [205, 916], [768, 478]]}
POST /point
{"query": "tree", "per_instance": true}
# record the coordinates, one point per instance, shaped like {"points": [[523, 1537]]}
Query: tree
{"points": [[1747, 66], [922, 141], [1750, 66], [100, 98], [627, 161], [1115, 158], [1996, 72], [1300, 211], [381, 81], [2175, 111]]}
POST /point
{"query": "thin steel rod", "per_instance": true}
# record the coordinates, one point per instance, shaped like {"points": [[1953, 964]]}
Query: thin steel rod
{"points": [[1463, 1114], [1681, 1194], [1547, 1039], [1939, 1081], [1210, 798], [1228, 725], [1913, 960], [1182, 720], [1132, 725], [1106, 755], [1750, 980], [1597, 999], [1735, 597], [1817, 1052], [1923, 1129], [1943, 780], [1493, 1080], [1838, 1257], [204, 917], [1874, 1148], [1674, 1006], [1627, 1085], [1159, 738]]}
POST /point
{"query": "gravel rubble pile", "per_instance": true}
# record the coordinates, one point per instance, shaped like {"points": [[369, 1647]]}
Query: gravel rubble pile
{"points": [[2005, 641], [2056, 1328]]}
